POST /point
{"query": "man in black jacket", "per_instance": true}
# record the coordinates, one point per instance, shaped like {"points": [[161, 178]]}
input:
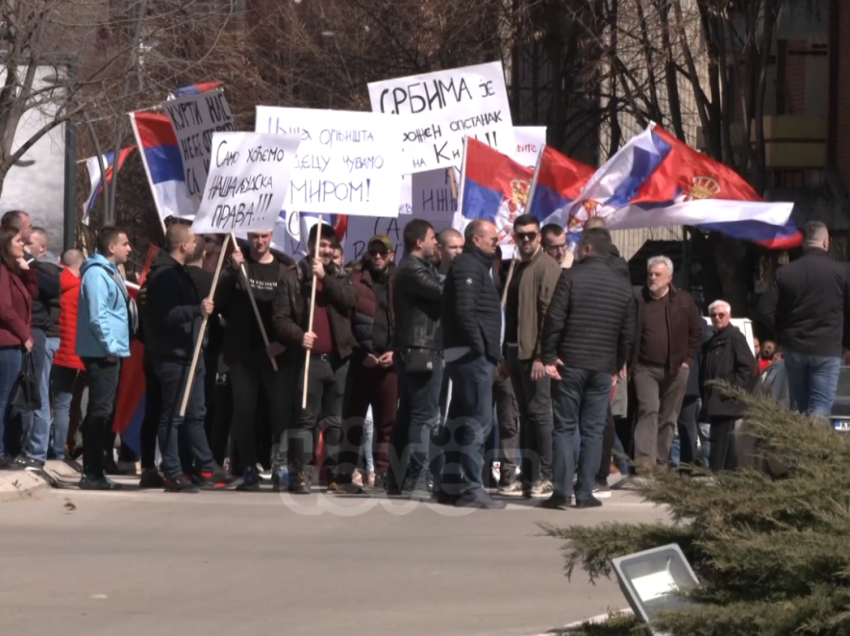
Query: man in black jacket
{"points": [[586, 338], [330, 344], [726, 357], [174, 310], [808, 307], [472, 334], [418, 358]]}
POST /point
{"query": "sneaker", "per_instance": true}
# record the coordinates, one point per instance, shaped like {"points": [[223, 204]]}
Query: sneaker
{"points": [[542, 487], [97, 483], [593, 502], [31, 464], [250, 479], [181, 484], [370, 479], [215, 479], [299, 484], [13, 463], [555, 503], [280, 478], [601, 490], [333, 488], [151, 479], [514, 488]]}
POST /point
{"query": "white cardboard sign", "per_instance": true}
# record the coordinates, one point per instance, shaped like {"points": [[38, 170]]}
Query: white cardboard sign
{"points": [[195, 118], [439, 109], [247, 182], [348, 162]]}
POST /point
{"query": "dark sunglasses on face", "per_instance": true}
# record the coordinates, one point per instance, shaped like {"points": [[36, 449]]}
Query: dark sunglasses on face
{"points": [[381, 253], [525, 236], [718, 315]]}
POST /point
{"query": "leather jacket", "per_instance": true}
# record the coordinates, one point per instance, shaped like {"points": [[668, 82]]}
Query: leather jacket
{"points": [[417, 297]]}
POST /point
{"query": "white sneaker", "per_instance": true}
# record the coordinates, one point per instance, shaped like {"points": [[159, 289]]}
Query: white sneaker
{"points": [[514, 488]]}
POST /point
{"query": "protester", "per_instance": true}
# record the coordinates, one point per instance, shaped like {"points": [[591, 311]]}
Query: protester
{"points": [[417, 297], [554, 242], [174, 311], [106, 319], [617, 262], [45, 335], [372, 379], [529, 293], [329, 344], [21, 221], [246, 354], [669, 333], [471, 319], [18, 285], [766, 353], [587, 334], [451, 243], [67, 366], [808, 307], [38, 246], [726, 357]]}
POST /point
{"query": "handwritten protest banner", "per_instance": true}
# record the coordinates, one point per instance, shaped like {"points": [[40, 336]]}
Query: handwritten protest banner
{"points": [[195, 118], [347, 163], [247, 182], [440, 108]]}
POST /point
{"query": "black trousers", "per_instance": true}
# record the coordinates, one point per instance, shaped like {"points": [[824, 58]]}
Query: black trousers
{"points": [[325, 396], [722, 452], [150, 423], [246, 380], [608, 436], [508, 429], [103, 383]]}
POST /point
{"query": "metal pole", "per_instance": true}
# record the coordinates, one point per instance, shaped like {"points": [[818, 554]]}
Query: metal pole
{"points": [[70, 212]]}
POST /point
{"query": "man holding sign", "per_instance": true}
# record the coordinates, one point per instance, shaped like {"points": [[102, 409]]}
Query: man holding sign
{"points": [[330, 345]]}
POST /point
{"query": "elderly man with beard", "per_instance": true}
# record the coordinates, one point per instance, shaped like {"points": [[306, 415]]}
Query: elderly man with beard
{"points": [[372, 380], [329, 344], [726, 357]]}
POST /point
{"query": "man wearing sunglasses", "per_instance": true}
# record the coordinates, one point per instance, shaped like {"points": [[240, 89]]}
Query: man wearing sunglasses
{"points": [[372, 380], [529, 293], [472, 330]]}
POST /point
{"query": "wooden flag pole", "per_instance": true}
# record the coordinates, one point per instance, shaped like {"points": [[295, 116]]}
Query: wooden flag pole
{"points": [[508, 279], [247, 284], [312, 313], [200, 341]]}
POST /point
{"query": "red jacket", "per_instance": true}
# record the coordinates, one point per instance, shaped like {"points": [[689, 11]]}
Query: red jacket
{"points": [[16, 292], [65, 356]]}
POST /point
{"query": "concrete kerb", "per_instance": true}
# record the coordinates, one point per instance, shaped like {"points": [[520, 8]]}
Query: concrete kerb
{"points": [[20, 484], [575, 627]]}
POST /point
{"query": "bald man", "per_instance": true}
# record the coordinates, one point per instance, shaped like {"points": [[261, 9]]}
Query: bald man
{"points": [[808, 307], [472, 330], [451, 244]]}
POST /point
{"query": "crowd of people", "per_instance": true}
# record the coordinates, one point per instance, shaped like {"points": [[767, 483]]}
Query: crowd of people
{"points": [[415, 378]]}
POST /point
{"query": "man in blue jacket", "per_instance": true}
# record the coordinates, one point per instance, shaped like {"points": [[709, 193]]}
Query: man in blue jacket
{"points": [[105, 321]]}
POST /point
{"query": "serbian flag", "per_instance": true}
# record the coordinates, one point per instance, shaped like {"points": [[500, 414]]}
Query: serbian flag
{"points": [[93, 166], [656, 180], [557, 185], [195, 89], [339, 222], [493, 187], [163, 165]]}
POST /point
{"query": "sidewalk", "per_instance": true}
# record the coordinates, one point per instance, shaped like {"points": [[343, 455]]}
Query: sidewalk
{"points": [[23, 484]]}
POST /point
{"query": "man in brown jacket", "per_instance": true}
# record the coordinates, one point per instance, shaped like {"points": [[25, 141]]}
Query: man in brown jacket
{"points": [[669, 333], [330, 344], [527, 301]]}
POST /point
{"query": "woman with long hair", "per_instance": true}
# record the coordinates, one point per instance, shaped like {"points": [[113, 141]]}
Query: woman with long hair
{"points": [[17, 287]]}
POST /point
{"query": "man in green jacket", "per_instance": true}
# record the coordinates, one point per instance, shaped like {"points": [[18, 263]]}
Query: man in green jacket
{"points": [[529, 291]]}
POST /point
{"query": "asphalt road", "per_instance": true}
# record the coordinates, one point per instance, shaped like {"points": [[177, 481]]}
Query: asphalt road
{"points": [[141, 563]]}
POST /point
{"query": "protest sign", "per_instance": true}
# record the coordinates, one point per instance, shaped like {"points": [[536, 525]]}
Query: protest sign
{"points": [[195, 118], [247, 182], [438, 109], [529, 141], [347, 163]]}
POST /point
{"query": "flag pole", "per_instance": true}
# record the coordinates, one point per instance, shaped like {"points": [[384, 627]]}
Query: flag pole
{"points": [[247, 283], [312, 312], [527, 210], [200, 341], [462, 179]]}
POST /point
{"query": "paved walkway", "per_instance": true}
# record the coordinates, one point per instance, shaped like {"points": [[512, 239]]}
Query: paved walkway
{"points": [[141, 563]]}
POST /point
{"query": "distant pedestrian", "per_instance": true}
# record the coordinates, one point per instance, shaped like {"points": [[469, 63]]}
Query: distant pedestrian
{"points": [[808, 307]]}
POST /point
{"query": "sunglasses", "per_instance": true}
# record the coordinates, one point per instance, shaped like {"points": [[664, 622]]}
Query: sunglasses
{"points": [[381, 253], [718, 315], [525, 236]]}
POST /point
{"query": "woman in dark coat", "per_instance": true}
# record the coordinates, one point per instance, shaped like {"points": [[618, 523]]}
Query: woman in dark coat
{"points": [[725, 357]]}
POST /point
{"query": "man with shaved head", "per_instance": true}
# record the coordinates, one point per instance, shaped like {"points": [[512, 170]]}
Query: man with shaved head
{"points": [[808, 307], [451, 244], [472, 334]]}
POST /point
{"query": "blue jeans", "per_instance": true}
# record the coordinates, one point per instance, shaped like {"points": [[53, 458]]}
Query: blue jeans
{"points": [[10, 367], [64, 379], [469, 423], [37, 423], [812, 381], [366, 461], [580, 401], [188, 430], [418, 415]]}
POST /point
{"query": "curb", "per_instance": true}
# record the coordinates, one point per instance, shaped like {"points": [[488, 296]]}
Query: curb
{"points": [[20, 484], [601, 618]]}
